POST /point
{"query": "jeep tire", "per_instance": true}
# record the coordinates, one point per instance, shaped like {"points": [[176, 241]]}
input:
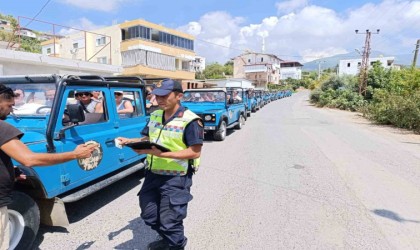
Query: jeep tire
{"points": [[23, 216], [241, 122], [220, 134]]}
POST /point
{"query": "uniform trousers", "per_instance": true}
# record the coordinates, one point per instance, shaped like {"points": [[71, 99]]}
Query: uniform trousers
{"points": [[163, 202]]}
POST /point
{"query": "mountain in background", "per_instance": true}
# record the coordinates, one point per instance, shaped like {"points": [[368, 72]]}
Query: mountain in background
{"points": [[332, 62]]}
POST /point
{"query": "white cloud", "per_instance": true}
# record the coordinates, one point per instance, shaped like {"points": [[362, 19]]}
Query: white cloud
{"points": [[290, 6], [101, 5], [79, 24], [308, 32]]}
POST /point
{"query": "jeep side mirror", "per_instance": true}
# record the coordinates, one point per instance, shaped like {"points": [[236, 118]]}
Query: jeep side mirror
{"points": [[75, 113]]}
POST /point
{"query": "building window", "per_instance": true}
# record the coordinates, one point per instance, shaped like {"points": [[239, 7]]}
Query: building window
{"points": [[157, 36], [102, 60], [48, 50], [262, 59], [359, 64], [249, 60], [100, 41], [348, 65], [75, 45]]}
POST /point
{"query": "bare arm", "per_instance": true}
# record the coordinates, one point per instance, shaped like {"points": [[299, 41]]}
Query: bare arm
{"points": [[128, 108], [21, 153], [99, 108]]}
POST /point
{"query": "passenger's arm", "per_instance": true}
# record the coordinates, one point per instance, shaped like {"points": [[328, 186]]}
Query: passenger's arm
{"points": [[99, 107], [128, 108]]}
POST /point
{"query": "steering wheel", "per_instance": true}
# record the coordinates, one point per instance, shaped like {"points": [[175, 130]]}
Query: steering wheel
{"points": [[38, 110]]}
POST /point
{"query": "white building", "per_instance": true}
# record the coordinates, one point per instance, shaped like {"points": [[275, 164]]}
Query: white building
{"points": [[290, 69], [260, 68], [25, 63], [26, 32], [199, 64], [352, 66]]}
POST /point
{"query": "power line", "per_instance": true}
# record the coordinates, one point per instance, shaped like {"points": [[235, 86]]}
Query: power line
{"points": [[39, 12]]}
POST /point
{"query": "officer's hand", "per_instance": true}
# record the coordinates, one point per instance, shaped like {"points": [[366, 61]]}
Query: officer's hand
{"points": [[154, 151], [123, 140]]}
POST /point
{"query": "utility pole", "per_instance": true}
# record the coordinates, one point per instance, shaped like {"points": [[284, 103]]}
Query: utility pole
{"points": [[416, 52], [365, 62], [319, 69]]}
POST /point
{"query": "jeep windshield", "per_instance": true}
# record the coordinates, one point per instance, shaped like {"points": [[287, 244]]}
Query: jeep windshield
{"points": [[33, 99], [204, 96]]}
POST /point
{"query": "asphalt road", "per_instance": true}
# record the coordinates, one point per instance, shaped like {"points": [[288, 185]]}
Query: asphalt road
{"points": [[295, 177]]}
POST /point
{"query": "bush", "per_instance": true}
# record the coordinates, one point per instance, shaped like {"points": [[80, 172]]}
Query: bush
{"points": [[401, 111]]}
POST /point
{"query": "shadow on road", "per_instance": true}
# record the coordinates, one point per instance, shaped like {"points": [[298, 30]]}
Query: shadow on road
{"points": [[78, 210], [142, 235], [392, 216], [209, 138]]}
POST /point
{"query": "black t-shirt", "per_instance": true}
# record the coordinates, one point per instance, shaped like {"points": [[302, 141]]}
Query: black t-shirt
{"points": [[193, 133], [7, 176]]}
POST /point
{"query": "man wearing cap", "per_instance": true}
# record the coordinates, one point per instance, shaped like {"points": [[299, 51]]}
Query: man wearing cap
{"points": [[88, 104], [165, 193]]}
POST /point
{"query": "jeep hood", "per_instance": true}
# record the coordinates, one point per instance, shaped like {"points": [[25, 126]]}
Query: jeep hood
{"points": [[33, 137], [200, 109]]}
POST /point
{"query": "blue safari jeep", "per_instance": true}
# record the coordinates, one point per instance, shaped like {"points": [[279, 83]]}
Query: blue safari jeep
{"points": [[220, 109], [54, 119]]}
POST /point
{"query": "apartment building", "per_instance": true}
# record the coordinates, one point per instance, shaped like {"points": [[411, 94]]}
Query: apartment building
{"points": [[290, 69], [142, 48], [259, 68], [199, 64], [352, 66], [6, 25]]}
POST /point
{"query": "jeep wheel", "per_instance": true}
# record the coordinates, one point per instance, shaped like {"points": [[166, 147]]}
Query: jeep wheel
{"points": [[241, 122], [220, 134], [24, 220]]}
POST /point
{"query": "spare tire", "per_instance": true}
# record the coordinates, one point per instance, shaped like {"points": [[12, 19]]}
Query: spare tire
{"points": [[23, 207]]}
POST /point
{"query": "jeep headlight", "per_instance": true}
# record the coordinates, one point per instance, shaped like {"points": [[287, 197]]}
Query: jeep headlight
{"points": [[207, 118]]}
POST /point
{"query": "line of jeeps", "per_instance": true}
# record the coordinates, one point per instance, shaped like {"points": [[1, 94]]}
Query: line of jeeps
{"points": [[55, 118]]}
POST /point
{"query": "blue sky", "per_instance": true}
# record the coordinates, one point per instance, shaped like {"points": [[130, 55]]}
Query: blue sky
{"points": [[301, 30]]}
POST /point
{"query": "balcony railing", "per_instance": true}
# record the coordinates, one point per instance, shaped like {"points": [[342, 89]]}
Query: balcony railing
{"points": [[255, 68]]}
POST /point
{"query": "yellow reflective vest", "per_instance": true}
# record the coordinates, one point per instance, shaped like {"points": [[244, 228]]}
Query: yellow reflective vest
{"points": [[170, 136]]}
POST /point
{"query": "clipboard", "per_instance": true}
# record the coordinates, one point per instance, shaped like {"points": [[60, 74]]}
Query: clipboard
{"points": [[146, 145]]}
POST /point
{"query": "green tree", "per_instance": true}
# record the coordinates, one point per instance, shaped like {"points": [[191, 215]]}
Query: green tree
{"points": [[229, 68], [216, 71], [27, 44]]}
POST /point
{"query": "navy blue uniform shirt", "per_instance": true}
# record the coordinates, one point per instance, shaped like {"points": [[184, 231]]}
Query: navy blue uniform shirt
{"points": [[193, 133]]}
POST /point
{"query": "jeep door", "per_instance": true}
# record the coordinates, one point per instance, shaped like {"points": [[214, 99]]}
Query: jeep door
{"points": [[130, 119], [98, 127], [235, 105]]}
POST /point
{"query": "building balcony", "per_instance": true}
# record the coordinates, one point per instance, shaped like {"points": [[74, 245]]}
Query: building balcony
{"points": [[255, 68]]}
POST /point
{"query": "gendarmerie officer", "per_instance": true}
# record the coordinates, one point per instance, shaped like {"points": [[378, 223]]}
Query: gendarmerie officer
{"points": [[165, 193]]}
